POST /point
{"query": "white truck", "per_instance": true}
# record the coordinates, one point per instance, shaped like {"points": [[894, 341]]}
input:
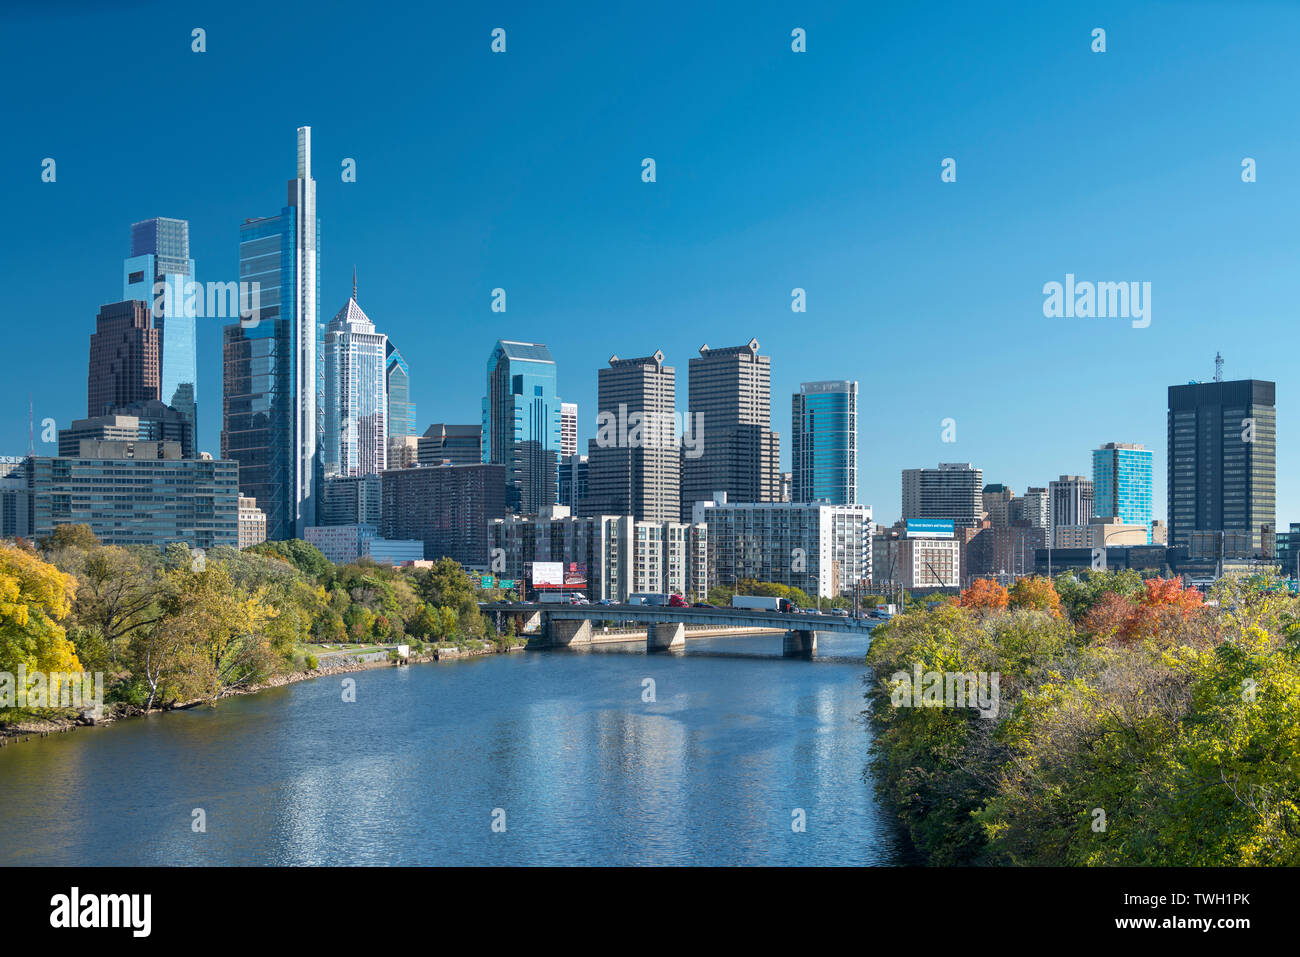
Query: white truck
{"points": [[760, 603]]}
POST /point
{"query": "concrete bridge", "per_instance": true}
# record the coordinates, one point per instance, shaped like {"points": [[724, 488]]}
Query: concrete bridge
{"points": [[569, 626]]}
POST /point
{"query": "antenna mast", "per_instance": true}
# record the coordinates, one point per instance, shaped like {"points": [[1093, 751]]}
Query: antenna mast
{"points": [[1218, 367]]}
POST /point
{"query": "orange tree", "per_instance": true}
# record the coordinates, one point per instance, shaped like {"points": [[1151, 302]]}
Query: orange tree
{"points": [[1036, 593], [986, 595]]}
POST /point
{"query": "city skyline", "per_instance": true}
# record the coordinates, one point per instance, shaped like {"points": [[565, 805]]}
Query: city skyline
{"points": [[595, 288]]}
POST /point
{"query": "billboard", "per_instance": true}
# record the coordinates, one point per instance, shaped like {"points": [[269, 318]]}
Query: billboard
{"points": [[548, 574], [929, 528], [575, 575]]}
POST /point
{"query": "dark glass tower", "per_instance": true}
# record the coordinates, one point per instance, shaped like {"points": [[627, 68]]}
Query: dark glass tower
{"points": [[1222, 459], [123, 358]]}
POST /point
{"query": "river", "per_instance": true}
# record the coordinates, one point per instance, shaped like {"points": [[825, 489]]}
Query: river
{"points": [[523, 759]]}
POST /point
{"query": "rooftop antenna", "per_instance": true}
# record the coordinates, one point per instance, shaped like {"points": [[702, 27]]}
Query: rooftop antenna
{"points": [[31, 428], [354, 282], [1218, 367]]}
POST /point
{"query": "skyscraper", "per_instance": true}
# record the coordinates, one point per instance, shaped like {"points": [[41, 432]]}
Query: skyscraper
{"points": [[401, 410], [1222, 459], [356, 394], [272, 363], [633, 464], [568, 428], [157, 273], [824, 443], [953, 491], [123, 358], [997, 499], [1122, 482], [521, 423], [1069, 502], [735, 450]]}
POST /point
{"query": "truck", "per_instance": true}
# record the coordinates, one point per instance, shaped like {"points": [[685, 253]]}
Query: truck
{"points": [[560, 598], [648, 598], [759, 603]]}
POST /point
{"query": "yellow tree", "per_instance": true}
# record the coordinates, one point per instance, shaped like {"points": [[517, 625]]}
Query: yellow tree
{"points": [[34, 598], [1038, 593]]}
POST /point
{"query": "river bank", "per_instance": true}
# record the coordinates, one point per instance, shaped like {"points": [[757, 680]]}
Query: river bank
{"points": [[42, 727]]}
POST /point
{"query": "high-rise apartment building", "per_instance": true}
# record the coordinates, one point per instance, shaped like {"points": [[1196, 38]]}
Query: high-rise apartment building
{"points": [[123, 358], [448, 507], [1122, 483], [273, 362], [633, 463], [159, 272], [521, 422], [351, 500], [1032, 508], [731, 446], [997, 504], [952, 491], [252, 523], [356, 394], [1222, 468], [824, 443], [568, 428], [1069, 502]]}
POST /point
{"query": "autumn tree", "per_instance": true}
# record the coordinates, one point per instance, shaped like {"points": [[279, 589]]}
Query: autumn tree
{"points": [[1036, 593], [984, 594]]}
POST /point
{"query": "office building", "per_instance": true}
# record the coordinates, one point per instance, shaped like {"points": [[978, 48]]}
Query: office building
{"points": [[351, 500], [953, 492], [1100, 532], [1069, 502], [613, 556], [521, 423], [1122, 482], [634, 466], [821, 548], [252, 523], [915, 563], [356, 394], [1002, 552], [448, 507], [1033, 508], [344, 544], [123, 358], [574, 472], [404, 451], [568, 428], [824, 443], [148, 421], [160, 273], [401, 408], [728, 443], [997, 501], [273, 362], [1222, 468], [141, 493], [15, 497], [450, 444]]}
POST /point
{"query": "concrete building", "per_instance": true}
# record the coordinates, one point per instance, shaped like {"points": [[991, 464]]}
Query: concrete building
{"points": [[1222, 466], [252, 523], [15, 497], [448, 507], [351, 500], [634, 462], [141, 493], [1099, 533], [146, 421], [1002, 552], [568, 429], [822, 548], [344, 544], [953, 491], [730, 413], [1033, 508], [444, 444], [615, 554], [574, 474], [997, 504], [403, 451], [916, 563], [824, 443], [1069, 502]]}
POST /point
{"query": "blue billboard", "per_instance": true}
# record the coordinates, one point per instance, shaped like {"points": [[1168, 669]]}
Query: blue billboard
{"points": [[929, 528]]}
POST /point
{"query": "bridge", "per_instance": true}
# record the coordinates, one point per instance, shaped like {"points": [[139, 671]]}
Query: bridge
{"points": [[569, 626]]}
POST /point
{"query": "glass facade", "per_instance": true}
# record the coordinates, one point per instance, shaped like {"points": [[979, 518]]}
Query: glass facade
{"points": [[1122, 483], [401, 410], [160, 253], [521, 423], [356, 398], [824, 443], [272, 364]]}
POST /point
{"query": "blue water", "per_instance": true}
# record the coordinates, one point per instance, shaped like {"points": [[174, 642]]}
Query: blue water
{"points": [[581, 768]]}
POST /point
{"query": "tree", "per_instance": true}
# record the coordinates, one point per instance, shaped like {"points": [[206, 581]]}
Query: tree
{"points": [[69, 536], [34, 598], [984, 594], [1036, 593]]}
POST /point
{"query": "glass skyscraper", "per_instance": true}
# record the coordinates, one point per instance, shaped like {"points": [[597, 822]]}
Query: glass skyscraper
{"points": [[160, 254], [272, 416], [356, 396], [401, 410], [824, 443], [1122, 483], [521, 423]]}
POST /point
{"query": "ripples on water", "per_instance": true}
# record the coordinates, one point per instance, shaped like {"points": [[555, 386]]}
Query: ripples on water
{"points": [[584, 769]]}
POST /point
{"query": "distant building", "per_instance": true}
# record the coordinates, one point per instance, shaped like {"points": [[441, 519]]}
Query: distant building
{"points": [[140, 493], [451, 444], [824, 443], [401, 409], [953, 491], [521, 422], [1100, 533], [403, 451], [448, 507], [252, 523], [573, 480], [356, 394], [1003, 553], [344, 544], [568, 428], [916, 563], [123, 358], [351, 500], [1069, 503], [1159, 532], [1222, 464], [821, 548], [147, 421], [997, 504], [15, 498], [1122, 482], [1033, 508]]}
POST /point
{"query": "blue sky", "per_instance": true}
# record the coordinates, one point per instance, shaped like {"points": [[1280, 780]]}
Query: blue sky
{"points": [[775, 170]]}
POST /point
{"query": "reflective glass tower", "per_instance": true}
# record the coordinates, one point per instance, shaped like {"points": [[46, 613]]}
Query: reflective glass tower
{"points": [[356, 395], [521, 423], [160, 259], [272, 362], [1122, 482], [824, 443], [401, 410]]}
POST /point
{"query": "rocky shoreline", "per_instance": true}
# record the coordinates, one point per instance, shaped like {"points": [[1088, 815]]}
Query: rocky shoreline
{"points": [[29, 728]]}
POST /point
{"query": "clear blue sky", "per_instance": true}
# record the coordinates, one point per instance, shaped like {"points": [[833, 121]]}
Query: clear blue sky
{"points": [[775, 170]]}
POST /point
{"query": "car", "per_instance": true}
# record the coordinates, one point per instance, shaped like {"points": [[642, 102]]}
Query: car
{"points": [[606, 601], [702, 604], [677, 601], [844, 612]]}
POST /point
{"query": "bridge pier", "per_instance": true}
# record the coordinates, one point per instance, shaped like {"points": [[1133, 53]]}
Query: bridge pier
{"points": [[665, 636], [799, 644], [569, 632]]}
